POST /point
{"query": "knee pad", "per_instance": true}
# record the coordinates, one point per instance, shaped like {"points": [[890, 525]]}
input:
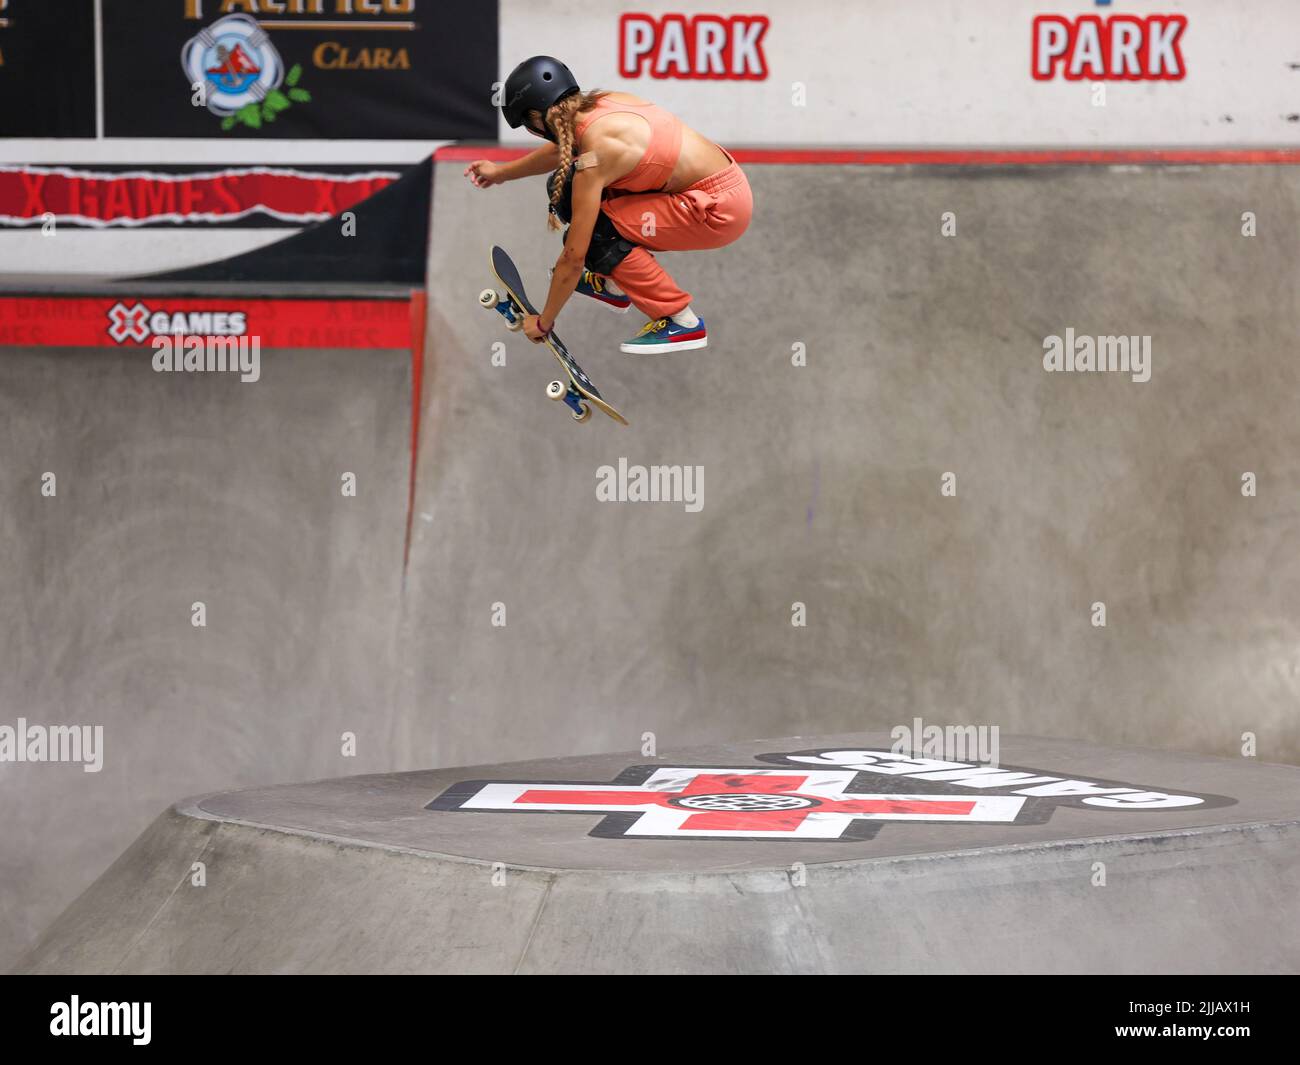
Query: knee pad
{"points": [[608, 246]]}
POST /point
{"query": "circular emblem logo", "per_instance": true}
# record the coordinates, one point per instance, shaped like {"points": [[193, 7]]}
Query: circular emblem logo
{"points": [[744, 803], [237, 62]]}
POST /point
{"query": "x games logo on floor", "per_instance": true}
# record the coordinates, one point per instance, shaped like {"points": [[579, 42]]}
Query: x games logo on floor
{"points": [[820, 795]]}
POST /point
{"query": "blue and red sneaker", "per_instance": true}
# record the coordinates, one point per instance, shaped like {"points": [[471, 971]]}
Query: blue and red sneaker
{"points": [[597, 288], [663, 334]]}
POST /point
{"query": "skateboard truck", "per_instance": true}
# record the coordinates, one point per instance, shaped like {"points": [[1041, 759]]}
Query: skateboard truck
{"points": [[559, 390], [501, 304], [556, 389]]}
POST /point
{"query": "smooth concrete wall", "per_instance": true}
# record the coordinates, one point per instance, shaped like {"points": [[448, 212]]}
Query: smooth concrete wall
{"points": [[174, 489], [822, 483]]}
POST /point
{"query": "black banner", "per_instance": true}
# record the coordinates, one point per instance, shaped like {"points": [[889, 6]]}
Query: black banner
{"points": [[355, 1016], [345, 69], [47, 68]]}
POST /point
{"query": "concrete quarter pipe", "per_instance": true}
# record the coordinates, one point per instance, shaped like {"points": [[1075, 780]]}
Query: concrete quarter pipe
{"points": [[822, 482]]}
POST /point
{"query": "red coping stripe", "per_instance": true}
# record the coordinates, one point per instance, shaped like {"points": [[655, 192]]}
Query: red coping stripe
{"points": [[132, 321], [460, 153]]}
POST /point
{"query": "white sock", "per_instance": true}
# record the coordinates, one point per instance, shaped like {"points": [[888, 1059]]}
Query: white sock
{"points": [[686, 318], [612, 288]]}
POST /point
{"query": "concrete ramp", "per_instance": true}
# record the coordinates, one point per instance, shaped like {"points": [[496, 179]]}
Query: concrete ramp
{"points": [[820, 855], [857, 355]]}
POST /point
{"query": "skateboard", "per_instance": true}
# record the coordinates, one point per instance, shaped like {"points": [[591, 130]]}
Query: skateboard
{"points": [[578, 393]]}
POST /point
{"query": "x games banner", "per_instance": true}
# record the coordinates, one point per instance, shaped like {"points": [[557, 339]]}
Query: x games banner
{"points": [[344, 69], [132, 198]]}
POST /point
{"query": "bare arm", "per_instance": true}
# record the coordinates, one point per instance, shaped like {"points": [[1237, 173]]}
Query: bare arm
{"points": [[485, 173], [539, 161]]}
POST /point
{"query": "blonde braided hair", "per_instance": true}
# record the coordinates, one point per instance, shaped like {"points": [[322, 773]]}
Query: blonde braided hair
{"points": [[562, 118]]}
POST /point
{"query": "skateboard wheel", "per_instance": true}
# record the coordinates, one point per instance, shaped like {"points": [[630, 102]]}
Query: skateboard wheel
{"points": [[487, 298], [586, 413], [514, 324], [555, 390]]}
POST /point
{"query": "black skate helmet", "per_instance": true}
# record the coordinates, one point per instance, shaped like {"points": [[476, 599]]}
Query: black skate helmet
{"points": [[536, 84]]}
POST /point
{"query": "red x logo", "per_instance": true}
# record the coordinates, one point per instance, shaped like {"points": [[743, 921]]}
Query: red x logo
{"points": [[128, 323], [720, 803]]}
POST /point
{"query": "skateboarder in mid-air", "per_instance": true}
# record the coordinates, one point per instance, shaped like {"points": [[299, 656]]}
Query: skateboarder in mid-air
{"points": [[629, 178]]}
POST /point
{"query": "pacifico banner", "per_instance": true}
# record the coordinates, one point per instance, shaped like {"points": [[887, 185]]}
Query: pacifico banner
{"points": [[342, 69]]}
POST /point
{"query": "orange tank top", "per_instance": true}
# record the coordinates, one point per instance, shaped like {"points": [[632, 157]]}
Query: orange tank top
{"points": [[656, 166]]}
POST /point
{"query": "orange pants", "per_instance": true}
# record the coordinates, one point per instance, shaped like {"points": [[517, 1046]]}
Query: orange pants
{"points": [[709, 214]]}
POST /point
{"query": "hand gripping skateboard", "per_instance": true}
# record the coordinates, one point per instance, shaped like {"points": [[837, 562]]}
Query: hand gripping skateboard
{"points": [[579, 391]]}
